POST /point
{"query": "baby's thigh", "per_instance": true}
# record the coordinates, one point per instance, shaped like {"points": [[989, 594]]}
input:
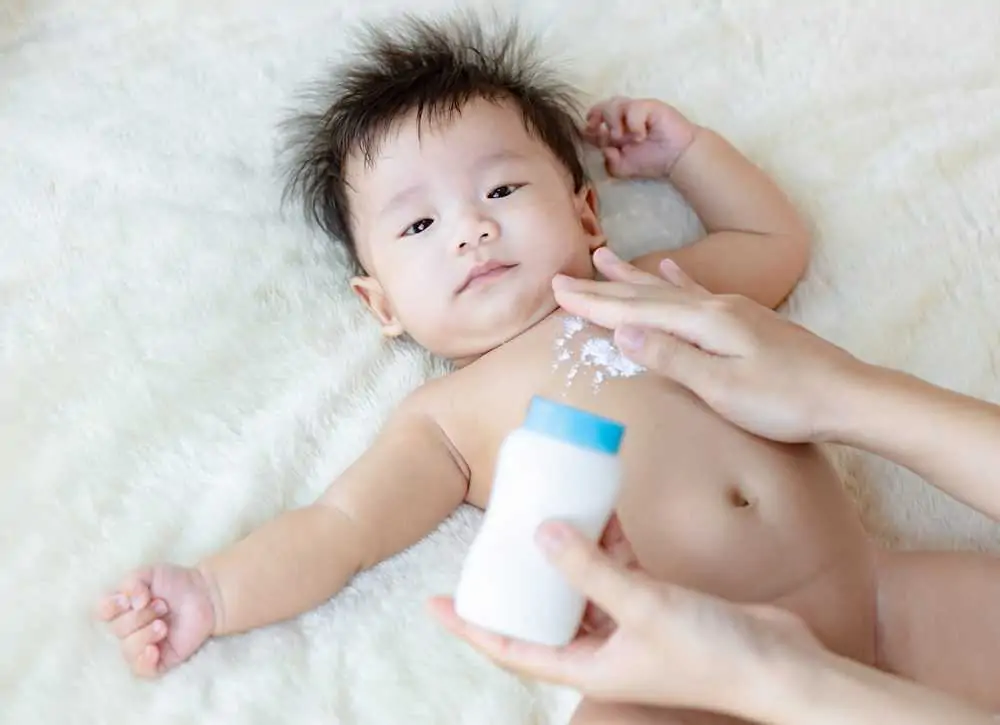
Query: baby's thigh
{"points": [[939, 621], [592, 712]]}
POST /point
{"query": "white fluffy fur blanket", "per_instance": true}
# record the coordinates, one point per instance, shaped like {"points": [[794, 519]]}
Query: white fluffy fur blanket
{"points": [[179, 361]]}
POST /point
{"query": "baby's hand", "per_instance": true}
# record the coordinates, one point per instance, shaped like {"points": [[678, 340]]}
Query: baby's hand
{"points": [[641, 138], [162, 615]]}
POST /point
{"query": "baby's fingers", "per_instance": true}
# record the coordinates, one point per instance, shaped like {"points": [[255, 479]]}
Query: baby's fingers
{"points": [[148, 662], [137, 647], [136, 619], [112, 606], [136, 588], [609, 115], [593, 125], [636, 120]]}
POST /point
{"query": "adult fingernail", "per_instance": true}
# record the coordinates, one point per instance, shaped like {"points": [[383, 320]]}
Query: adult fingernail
{"points": [[630, 337], [551, 536], [137, 602], [121, 601], [160, 607]]}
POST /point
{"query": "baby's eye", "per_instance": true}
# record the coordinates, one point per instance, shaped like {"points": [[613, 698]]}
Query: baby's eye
{"points": [[501, 191], [417, 227]]}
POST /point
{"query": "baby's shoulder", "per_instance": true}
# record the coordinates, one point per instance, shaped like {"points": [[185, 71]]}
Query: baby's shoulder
{"points": [[467, 398], [455, 391]]}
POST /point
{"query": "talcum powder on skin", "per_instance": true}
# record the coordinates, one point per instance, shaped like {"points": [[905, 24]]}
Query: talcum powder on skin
{"points": [[597, 353]]}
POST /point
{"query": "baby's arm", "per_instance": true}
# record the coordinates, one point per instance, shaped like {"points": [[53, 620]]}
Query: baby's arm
{"points": [[757, 245], [392, 496]]}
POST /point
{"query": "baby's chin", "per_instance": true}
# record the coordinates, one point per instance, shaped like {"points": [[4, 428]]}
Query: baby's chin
{"points": [[468, 344]]}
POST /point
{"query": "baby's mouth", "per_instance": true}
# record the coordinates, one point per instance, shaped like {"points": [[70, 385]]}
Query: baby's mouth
{"points": [[484, 273]]}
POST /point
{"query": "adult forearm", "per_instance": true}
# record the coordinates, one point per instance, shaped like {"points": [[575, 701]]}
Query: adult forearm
{"points": [[949, 439], [831, 690], [288, 566]]}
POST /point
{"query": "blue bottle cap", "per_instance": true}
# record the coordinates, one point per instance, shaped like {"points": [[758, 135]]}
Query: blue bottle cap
{"points": [[573, 426]]}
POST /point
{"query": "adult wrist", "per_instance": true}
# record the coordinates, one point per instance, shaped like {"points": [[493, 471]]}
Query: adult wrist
{"points": [[847, 401], [834, 690], [780, 687]]}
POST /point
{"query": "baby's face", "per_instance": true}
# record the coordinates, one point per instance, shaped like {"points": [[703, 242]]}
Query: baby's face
{"points": [[462, 228]]}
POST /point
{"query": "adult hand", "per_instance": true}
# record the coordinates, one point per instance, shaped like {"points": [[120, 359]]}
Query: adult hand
{"points": [[762, 372], [662, 644]]}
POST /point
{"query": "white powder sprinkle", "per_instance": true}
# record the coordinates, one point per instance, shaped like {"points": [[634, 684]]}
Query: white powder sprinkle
{"points": [[571, 326], [601, 353], [596, 352]]}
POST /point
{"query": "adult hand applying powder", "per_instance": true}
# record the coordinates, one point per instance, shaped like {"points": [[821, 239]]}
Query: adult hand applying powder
{"points": [[759, 370], [780, 381]]}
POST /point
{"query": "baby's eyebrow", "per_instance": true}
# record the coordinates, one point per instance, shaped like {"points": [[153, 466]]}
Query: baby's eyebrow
{"points": [[498, 156], [401, 196], [414, 190]]}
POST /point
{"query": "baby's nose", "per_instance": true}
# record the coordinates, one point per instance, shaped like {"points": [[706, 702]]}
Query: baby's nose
{"points": [[483, 231]]}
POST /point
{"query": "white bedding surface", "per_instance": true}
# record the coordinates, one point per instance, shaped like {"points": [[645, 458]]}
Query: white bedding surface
{"points": [[179, 361]]}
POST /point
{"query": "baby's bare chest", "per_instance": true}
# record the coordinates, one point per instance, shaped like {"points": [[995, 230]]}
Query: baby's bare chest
{"points": [[672, 440]]}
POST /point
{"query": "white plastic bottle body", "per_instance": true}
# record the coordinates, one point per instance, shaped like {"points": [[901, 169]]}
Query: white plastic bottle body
{"points": [[507, 584]]}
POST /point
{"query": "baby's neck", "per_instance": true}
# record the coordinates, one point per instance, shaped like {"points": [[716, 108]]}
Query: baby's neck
{"points": [[540, 326]]}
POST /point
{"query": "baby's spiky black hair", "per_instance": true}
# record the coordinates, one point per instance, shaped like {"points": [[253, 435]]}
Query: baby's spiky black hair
{"points": [[433, 69]]}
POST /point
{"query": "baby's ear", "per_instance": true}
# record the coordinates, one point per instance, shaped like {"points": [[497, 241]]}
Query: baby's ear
{"points": [[373, 295], [586, 206]]}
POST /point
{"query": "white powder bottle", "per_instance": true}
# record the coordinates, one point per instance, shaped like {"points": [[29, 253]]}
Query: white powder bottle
{"points": [[561, 463]]}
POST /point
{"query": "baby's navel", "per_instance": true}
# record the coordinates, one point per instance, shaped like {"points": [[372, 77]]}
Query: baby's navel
{"points": [[738, 498]]}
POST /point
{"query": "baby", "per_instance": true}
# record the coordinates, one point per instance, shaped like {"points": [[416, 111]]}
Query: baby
{"points": [[449, 166]]}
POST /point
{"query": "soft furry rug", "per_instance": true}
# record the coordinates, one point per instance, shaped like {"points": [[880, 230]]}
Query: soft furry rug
{"points": [[179, 361]]}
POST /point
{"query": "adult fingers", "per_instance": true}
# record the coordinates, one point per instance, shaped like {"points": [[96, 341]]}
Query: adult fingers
{"points": [[616, 544], [616, 269], [669, 356], [589, 570], [623, 290], [678, 317], [673, 273], [563, 665]]}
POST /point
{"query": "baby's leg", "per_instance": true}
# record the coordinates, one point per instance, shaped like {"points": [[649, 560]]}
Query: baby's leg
{"points": [[939, 621], [591, 712]]}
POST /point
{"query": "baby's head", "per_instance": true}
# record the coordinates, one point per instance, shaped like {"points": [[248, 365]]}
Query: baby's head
{"points": [[445, 155]]}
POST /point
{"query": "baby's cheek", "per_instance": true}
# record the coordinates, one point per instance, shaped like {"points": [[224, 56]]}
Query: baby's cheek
{"points": [[579, 263]]}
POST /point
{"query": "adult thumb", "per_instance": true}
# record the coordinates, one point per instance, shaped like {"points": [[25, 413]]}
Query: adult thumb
{"points": [[588, 569], [666, 355]]}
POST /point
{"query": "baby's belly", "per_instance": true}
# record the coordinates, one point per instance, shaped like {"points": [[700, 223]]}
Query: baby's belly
{"points": [[709, 506]]}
